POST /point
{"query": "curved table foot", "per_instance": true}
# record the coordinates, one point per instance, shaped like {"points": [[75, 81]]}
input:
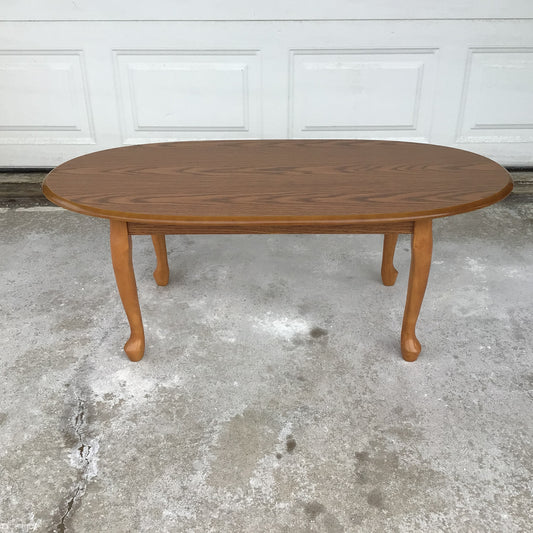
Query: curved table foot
{"points": [[127, 288], [161, 270], [388, 272], [134, 347], [421, 248], [411, 347]]}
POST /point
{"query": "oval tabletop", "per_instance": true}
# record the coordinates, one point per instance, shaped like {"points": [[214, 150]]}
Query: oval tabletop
{"points": [[277, 181]]}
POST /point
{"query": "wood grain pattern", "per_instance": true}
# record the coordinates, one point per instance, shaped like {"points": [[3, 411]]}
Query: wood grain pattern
{"points": [[261, 228], [127, 288], [421, 249], [277, 182], [388, 272], [286, 186]]}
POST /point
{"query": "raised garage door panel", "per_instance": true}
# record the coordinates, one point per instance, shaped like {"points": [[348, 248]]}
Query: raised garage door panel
{"points": [[68, 88], [44, 98], [498, 95], [188, 93], [365, 93]]}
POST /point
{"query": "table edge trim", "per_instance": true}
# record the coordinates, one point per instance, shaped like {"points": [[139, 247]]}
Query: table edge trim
{"points": [[278, 219]]}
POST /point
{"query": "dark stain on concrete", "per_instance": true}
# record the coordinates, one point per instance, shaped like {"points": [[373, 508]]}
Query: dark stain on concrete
{"points": [[279, 455], [387, 461], [404, 432], [317, 332], [379, 476], [362, 456], [331, 524], [375, 499], [290, 443], [313, 509], [298, 341], [3, 417], [244, 440], [314, 334], [528, 382], [361, 477], [275, 290]]}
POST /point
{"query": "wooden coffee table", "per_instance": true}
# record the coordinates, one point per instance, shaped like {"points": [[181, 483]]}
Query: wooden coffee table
{"points": [[284, 186]]}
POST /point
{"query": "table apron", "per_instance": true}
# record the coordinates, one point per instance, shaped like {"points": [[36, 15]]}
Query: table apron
{"points": [[141, 228]]}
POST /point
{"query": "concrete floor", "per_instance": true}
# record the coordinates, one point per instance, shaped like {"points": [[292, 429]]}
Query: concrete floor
{"points": [[272, 397]]}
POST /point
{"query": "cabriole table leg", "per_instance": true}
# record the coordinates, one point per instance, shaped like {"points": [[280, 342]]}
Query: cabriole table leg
{"points": [[161, 270], [388, 272], [421, 248], [127, 288]]}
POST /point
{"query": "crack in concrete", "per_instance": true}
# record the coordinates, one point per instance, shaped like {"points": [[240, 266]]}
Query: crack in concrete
{"points": [[84, 459], [61, 526]]}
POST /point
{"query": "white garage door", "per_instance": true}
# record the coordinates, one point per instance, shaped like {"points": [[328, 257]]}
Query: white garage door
{"points": [[79, 76]]}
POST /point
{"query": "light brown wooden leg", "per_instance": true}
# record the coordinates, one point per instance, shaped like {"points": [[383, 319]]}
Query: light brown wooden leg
{"points": [[161, 270], [127, 288], [388, 272], [421, 248]]}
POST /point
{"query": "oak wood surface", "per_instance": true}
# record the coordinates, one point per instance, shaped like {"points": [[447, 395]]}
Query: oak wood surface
{"points": [[207, 228], [277, 182], [286, 186], [161, 270], [421, 250], [388, 272], [121, 256]]}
